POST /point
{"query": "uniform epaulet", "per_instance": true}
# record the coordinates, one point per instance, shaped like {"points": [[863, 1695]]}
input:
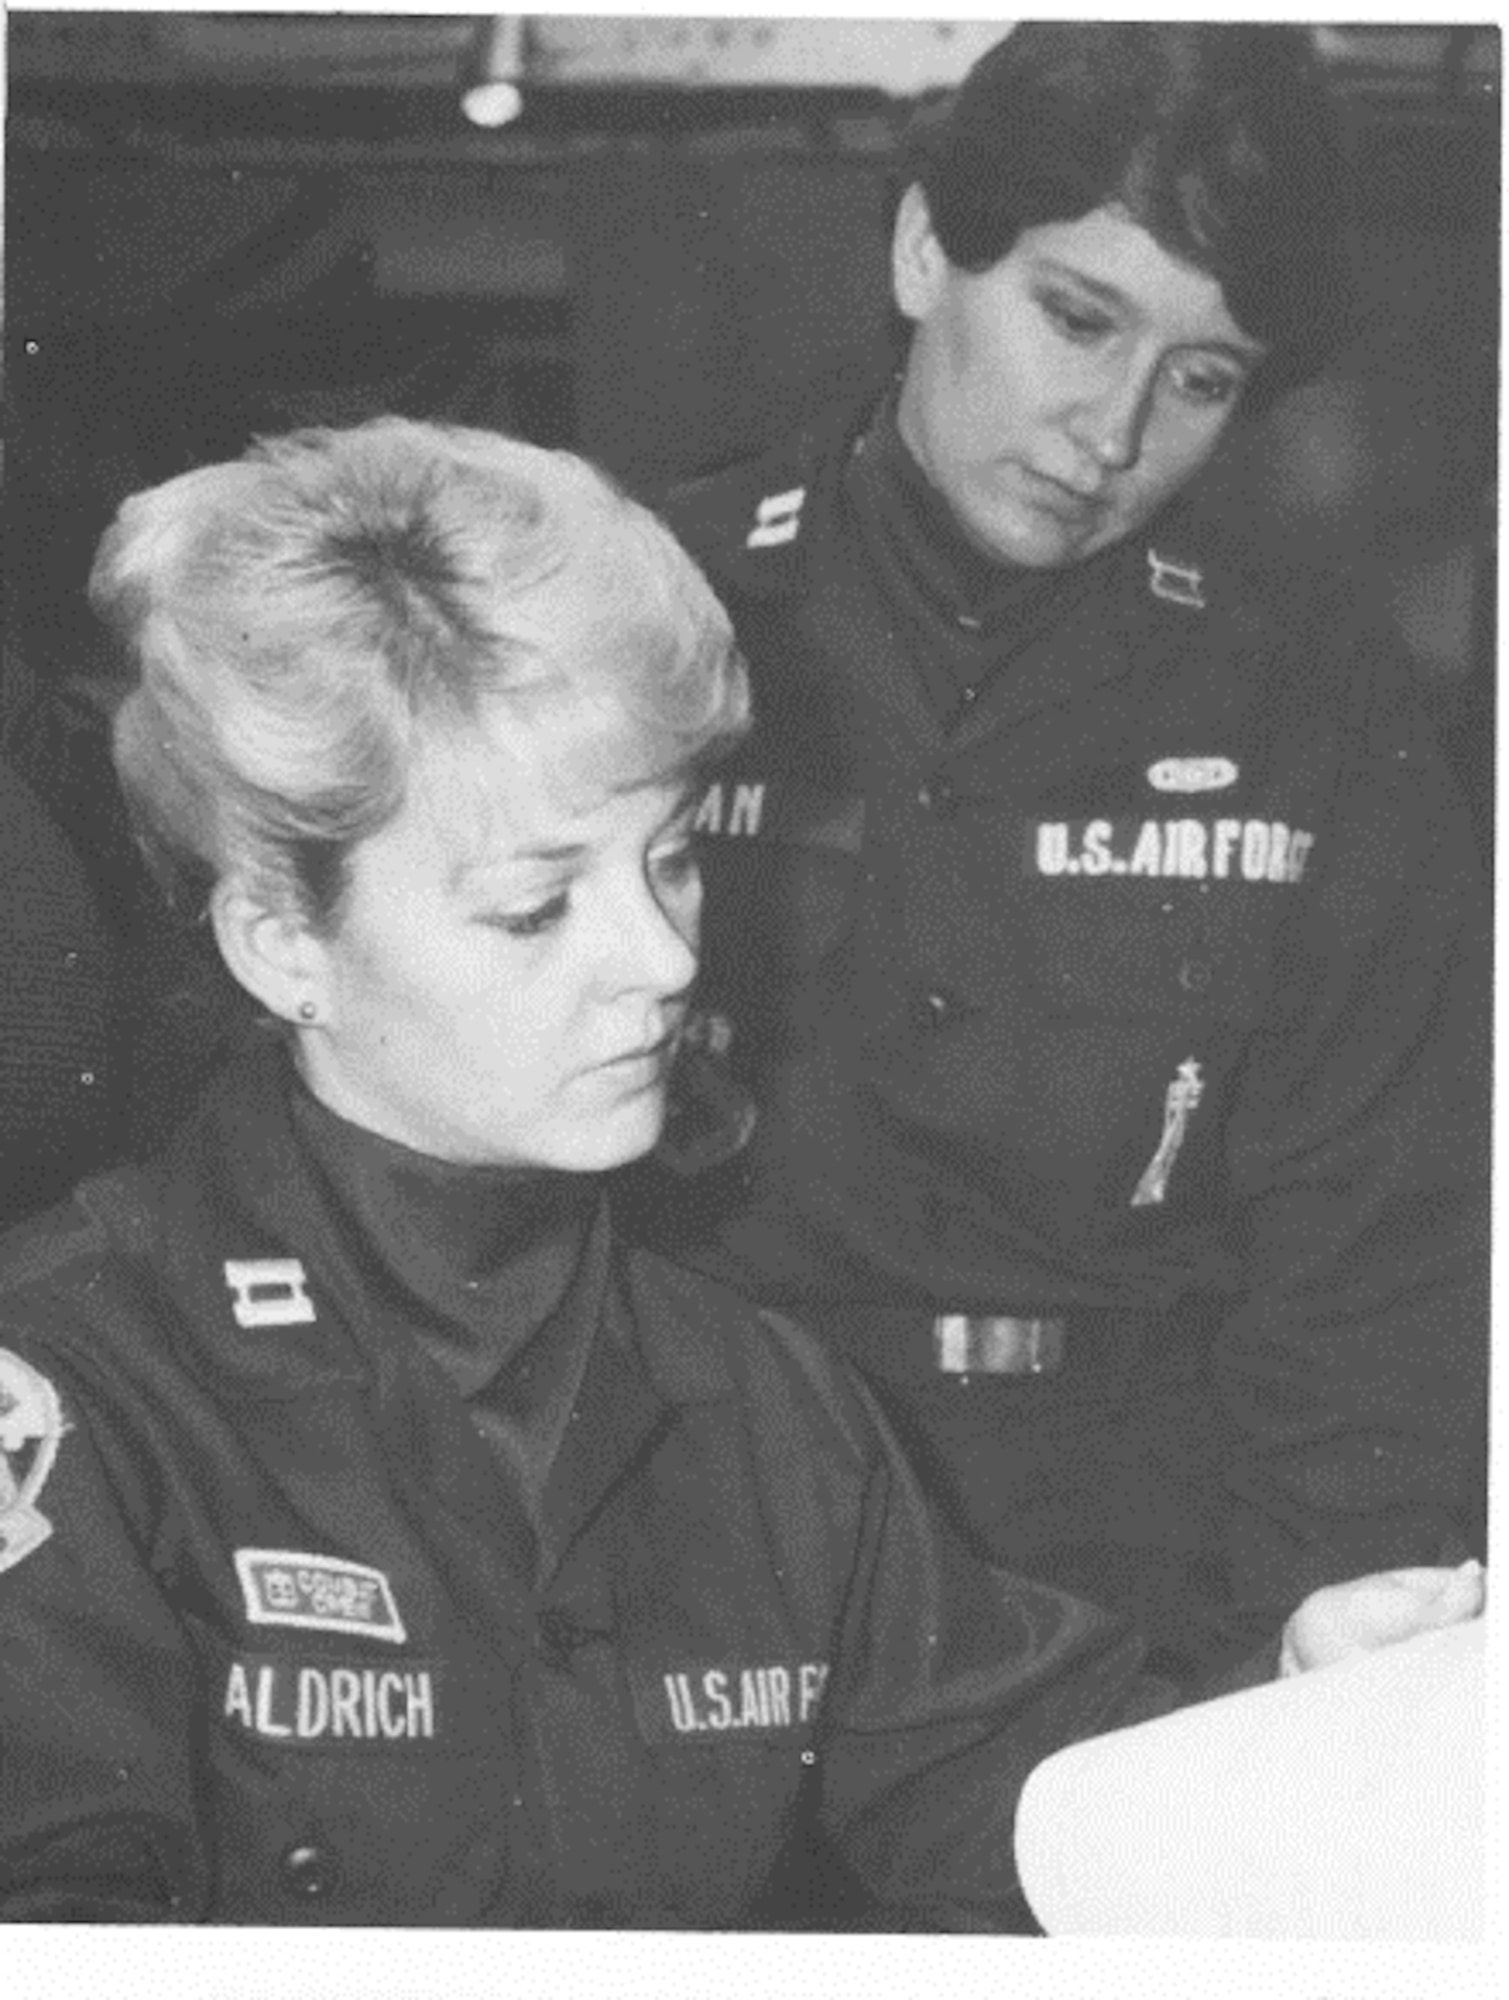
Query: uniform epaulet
{"points": [[34, 1252], [104, 1213], [746, 524], [1265, 586]]}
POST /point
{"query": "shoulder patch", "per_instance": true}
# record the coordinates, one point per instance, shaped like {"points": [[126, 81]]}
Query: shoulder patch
{"points": [[31, 1427]]}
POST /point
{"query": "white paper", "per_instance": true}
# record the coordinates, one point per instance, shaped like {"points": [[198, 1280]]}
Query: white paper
{"points": [[1345, 1804]]}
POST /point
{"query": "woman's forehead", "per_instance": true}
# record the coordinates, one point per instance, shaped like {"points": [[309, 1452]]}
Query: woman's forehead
{"points": [[509, 782], [1111, 252]]}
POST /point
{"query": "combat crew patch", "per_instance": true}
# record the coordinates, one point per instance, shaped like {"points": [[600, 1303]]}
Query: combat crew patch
{"points": [[31, 1427], [317, 1594]]}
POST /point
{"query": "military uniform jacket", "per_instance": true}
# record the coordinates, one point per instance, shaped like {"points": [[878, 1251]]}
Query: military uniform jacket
{"points": [[1157, 968], [278, 1643]]}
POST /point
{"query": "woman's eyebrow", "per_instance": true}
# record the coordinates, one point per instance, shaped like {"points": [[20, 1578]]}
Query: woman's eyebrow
{"points": [[561, 851], [1249, 352], [1111, 295], [462, 873]]}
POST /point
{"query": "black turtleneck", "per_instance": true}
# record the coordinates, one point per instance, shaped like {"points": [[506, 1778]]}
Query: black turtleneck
{"points": [[966, 613], [489, 1267]]}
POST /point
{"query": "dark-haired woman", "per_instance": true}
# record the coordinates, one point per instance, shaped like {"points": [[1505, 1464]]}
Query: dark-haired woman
{"points": [[1100, 933]]}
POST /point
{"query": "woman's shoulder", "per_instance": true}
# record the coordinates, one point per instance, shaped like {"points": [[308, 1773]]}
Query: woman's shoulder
{"points": [[74, 1274], [751, 522], [702, 1338]]}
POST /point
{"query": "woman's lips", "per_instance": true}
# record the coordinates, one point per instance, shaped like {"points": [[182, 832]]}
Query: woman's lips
{"points": [[1067, 503], [644, 1064]]}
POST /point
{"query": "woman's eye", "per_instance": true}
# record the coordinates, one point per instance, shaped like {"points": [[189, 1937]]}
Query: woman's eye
{"points": [[677, 866], [1076, 321], [1210, 387], [532, 923]]}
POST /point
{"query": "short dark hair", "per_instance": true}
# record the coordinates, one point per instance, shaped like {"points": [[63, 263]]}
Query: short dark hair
{"points": [[1222, 141]]}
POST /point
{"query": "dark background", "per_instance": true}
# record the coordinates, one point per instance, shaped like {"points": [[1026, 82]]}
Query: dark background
{"points": [[659, 276]]}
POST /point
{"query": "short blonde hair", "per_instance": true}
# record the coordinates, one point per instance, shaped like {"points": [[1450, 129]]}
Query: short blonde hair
{"points": [[302, 618]]}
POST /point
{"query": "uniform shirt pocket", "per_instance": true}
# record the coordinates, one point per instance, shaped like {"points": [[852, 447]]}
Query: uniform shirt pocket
{"points": [[731, 1744], [781, 860], [1172, 919], [345, 1787]]}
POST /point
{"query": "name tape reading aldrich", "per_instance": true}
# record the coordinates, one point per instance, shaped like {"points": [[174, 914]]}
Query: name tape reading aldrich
{"points": [[287, 1701]]}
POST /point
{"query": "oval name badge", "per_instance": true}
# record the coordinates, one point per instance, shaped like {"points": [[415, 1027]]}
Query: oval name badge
{"points": [[1192, 774]]}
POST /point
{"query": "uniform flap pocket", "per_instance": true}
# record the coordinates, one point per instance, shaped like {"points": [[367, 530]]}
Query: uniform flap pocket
{"points": [[781, 863], [1172, 918]]}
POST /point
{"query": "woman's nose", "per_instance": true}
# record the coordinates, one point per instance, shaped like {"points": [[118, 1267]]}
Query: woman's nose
{"points": [[658, 944], [1109, 427]]}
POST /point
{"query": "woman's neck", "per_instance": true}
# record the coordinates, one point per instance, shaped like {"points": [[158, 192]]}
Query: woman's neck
{"points": [[478, 1256]]}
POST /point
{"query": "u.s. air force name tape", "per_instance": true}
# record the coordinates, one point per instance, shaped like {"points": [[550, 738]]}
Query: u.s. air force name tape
{"points": [[734, 1698], [1191, 850], [31, 1427]]}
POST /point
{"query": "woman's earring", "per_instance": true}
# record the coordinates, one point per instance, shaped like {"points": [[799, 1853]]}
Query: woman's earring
{"points": [[308, 1011]]}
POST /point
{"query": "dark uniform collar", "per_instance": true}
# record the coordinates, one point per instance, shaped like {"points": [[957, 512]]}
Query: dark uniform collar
{"points": [[282, 1306], [476, 1259], [274, 1271], [959, 581], [758, 525]]}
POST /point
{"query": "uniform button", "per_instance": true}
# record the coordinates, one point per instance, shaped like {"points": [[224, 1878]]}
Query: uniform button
{"points": [[309, 1872], [483, 1860], [931, 1010], [939, 798], [1194, 975], [557, 1636]]}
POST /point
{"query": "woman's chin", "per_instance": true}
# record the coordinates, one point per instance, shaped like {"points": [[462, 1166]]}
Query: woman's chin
{"points": [[631, 1133]]}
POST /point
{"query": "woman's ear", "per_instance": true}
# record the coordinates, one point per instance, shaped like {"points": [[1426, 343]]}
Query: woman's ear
{"points": [[271, 952], [919, 267]]}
